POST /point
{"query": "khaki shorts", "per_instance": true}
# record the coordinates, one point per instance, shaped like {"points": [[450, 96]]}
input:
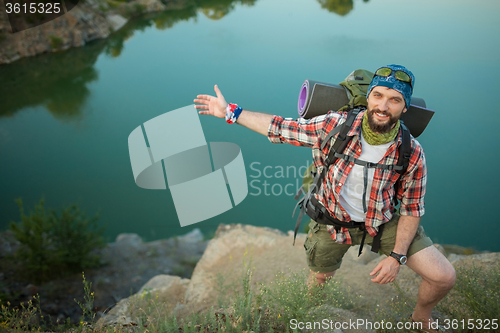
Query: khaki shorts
{"points": [[324, 255]]}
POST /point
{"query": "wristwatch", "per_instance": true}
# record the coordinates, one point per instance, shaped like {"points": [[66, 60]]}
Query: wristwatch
{"points": [[401, 258]]}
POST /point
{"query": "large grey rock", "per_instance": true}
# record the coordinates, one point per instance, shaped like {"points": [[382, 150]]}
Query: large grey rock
{"points": [[367, 255], [164, 289], [116, 21], [194, 236], [235, 249], [133, 240], [162, 282]]}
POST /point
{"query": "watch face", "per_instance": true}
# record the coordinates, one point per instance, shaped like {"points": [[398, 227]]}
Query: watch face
{"points": [[403, 260]]}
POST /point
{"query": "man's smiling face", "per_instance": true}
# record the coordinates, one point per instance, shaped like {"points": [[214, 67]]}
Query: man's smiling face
{"points": [[385, 107]]}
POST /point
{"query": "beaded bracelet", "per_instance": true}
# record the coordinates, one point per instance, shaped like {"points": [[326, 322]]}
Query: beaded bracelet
{"points": [[233, 111]]}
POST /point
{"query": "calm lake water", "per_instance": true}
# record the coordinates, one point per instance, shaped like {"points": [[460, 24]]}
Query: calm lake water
{"points": [[65, 117]]}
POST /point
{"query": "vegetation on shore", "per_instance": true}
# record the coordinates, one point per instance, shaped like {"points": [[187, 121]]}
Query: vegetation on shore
{"points": [[53, 243]]}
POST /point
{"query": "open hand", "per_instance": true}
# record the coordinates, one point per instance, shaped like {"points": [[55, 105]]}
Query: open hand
{"points": [[387, 271], [215, 106]]}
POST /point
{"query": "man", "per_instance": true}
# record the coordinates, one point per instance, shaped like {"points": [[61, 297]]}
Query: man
{"points": [[376, 136]]}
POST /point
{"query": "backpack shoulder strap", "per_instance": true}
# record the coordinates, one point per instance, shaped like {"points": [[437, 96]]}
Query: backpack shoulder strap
{"points": [[404, 149], [403, 159], [342, 139]]}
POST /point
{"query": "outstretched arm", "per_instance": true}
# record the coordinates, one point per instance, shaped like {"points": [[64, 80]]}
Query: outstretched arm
{"points": [[216, 106], [299, 132]]}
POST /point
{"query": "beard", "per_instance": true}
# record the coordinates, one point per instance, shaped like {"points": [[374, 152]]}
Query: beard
{"points": [[381, 127]]}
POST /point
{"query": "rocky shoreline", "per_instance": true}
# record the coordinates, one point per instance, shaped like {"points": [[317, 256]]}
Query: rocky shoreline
{"points": [[267, 252], [127, 264], [184, 273], [89, 20]]}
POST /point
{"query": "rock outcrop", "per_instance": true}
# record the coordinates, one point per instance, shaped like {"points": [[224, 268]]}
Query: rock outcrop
{"points": [[266, 252], [89, 20], [236, 248], [171, 288]]}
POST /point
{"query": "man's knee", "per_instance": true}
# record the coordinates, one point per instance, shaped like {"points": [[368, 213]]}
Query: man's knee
{"points": [[449, 277], [445, 275], [320, 278], [433, 267]]}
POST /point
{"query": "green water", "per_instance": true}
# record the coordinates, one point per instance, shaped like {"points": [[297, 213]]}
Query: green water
{"points": [[65, 117]]}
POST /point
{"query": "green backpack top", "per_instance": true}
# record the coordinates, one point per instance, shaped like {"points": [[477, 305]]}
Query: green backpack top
{"points": [[356, 85]]}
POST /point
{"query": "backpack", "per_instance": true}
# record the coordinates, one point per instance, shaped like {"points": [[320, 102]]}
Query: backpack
{"points": [[356, 86]]}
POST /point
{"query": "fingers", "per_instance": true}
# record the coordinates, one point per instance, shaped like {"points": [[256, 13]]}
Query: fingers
{"points": [[377, 278], [387, 272], [211, 105], [203, 99], [203, 106], [376, 269], [383, 279], [217, 92], [204, 103]]}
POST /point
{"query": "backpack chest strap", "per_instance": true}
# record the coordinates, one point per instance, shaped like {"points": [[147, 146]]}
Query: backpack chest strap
{"points": [[368, 164]]}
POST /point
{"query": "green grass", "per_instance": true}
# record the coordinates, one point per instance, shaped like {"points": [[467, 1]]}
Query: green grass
{"points": [[476, 295]]}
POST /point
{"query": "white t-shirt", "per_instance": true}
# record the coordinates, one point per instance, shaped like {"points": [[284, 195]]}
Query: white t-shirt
{"points": [[351, 194]]}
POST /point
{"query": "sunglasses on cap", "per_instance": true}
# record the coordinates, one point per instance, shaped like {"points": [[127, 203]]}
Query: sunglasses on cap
{"points": [[399, 75]]}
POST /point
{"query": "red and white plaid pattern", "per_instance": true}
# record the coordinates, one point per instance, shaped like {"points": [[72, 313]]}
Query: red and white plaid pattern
{"points": [[310, 132]]}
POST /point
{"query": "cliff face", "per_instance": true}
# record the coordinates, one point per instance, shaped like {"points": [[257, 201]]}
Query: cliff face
{"points": [[89, 20]]}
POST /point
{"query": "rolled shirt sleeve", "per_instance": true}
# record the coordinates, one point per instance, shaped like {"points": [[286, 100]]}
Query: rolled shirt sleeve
{"points": [[297, 132]]}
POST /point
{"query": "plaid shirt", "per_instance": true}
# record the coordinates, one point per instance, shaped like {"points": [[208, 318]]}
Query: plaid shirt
{"points": [[380, 208]]}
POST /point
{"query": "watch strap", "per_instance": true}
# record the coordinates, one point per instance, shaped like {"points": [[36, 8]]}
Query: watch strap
{"points": [[401, 258]]}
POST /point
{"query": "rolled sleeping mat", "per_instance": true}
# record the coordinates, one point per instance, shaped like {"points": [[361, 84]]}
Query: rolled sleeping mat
{"points": [[318, 98], [417, 117]]}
